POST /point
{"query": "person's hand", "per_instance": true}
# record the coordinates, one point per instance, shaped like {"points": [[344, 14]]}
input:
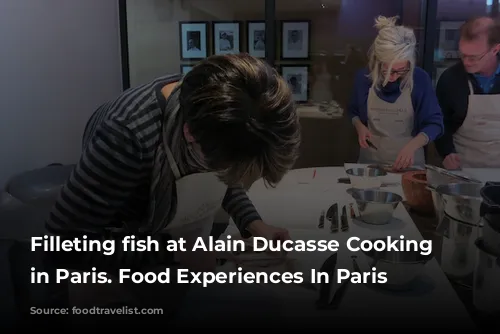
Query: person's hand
{"points": [[260, 229], [363, 135], [405, 158], [452, 161]]}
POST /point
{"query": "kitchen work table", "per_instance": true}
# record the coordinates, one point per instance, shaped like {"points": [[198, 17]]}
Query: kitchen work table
{"points": [[296, 204]]}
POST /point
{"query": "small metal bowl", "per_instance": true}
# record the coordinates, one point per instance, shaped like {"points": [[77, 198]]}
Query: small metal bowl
{"points": [[375, 206], [363, 178], [402, 268]]}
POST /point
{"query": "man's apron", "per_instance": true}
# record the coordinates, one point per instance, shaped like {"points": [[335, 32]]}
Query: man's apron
{"points": [[477, 141], [391, 126], [199, 197]]}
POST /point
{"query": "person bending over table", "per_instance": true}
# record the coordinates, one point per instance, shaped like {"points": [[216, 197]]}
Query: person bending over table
{"points": [[393, 105], [469, 95], [162, 158]]}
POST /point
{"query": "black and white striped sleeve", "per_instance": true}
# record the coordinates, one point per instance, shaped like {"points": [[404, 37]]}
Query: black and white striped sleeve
{"points": [[109, 171], [239, 206]]}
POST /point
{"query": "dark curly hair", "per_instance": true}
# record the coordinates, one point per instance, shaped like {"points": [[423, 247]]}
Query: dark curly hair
{"points": [[242, 114]]}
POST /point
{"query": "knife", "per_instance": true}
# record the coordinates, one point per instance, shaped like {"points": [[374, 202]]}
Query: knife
{"points": [[343, 220], [340, 293], [371, 144], [334, 218], [324, 291], [322, 220]]}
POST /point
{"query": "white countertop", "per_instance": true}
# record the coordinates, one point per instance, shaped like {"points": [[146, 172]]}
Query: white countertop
{"points": [[296, 205]]}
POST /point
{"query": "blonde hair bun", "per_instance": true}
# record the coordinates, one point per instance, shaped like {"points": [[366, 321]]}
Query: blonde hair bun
{"points": [[382, 22]]}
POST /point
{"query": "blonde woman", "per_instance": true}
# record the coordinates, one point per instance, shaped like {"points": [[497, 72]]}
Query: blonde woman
{"points": [[394, 107]]}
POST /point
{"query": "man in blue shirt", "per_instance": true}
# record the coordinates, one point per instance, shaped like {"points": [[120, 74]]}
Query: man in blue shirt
{"points": [[469, 95]]}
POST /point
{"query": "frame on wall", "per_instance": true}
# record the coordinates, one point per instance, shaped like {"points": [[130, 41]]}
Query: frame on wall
{"points": [[449, 35], [427, 60], [295, 40], [256, 38], [193, 39], [186, 68], [226, 37], [297, 77]]}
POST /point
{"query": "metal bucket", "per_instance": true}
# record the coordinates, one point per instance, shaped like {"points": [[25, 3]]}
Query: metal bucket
{"points": [[460, 226], [486, 291], [458, 251], [437, 200], [490, 213], [462, 201]]}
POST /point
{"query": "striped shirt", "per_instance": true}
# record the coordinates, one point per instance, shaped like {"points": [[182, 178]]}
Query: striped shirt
{"points": [[110, 184]]}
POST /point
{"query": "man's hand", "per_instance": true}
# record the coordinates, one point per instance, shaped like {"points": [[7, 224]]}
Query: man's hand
{"points": [[260, 229], [452, 161], [405, 158]]}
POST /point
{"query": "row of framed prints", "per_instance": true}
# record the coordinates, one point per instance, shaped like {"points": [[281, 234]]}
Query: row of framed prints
{"points": [[297, 77], [226, 39]]}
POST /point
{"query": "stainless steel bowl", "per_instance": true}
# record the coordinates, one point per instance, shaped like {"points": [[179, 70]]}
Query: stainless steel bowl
{"points": [[375, 206], [366, 172], [402, 268], [462, 201], [364, 178]]}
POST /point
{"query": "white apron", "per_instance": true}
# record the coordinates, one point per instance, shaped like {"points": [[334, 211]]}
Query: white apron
{"points": [[391, 125], [477, 141], [199, 197]]}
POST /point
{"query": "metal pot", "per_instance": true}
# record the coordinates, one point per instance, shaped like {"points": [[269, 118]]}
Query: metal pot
{"points": [[438, 176], [437, 200], [462, 201], [486, 291], [402, 268], [490, 212], [458, 250]]}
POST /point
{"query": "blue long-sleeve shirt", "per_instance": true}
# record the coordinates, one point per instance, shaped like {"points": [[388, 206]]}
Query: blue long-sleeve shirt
{"points": [[428, 116]]}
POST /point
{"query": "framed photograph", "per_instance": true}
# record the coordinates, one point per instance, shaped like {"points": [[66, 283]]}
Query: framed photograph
{"points": [[226, 37], [295, 40], [186, 68], [193, 37], [297, 77], [449, 36], [256, 38]]}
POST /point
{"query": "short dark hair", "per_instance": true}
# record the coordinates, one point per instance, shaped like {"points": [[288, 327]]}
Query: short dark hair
{"points": [[242, 114], [480, 26]]}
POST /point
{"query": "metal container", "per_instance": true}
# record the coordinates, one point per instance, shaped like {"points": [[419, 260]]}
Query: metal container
{"points": [[462, 201], [460, 225], [363, 178], [437, 200], [402, 268], [458, 250], [490, 213], [375, 206], [486, 290], [437, 176]]}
